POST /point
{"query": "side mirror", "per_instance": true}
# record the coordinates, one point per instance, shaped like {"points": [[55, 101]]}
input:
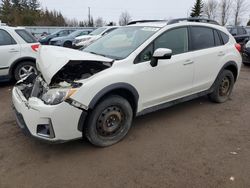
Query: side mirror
{"points": [[160, 53]]}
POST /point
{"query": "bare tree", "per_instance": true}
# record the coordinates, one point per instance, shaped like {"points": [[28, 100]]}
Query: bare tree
{"points": [[125, 18], [72, 22], [99, 22], [210, 9], [225, 10], [240, 8]]}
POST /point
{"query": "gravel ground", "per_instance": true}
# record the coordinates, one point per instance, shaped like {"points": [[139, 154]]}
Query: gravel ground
{"points": [[194, 144]]}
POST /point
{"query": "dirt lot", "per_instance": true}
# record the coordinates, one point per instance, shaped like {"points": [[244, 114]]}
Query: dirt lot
{"points": [[195, 144]]}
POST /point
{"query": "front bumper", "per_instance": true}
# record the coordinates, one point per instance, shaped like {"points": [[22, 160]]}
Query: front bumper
{"points": [[63, 118]]}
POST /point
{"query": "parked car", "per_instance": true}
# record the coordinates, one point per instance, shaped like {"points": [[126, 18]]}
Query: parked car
{"points": [[84, 41], [248, 30], [240, 34], [61, 33], [67, 40], [134, 70], [18, 50], [246, 53]]}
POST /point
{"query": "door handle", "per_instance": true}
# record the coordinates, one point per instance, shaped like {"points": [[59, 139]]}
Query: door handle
{"points": [[221, 54], [188, 62], [13, 50]]}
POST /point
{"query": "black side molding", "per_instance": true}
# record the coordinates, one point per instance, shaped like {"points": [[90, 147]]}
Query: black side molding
{"points": [[111, 88]]}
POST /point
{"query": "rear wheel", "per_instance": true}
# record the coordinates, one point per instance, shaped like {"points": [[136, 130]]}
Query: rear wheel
{"points": [[109, 122], [223, 87], [24, 69]]}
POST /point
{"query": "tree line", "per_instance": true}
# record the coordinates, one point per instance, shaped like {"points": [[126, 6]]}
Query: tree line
{"points": [[29, 12], [223, 11]]}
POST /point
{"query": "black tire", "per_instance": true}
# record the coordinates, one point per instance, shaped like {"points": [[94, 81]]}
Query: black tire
{"points": [[223, 87], [109, 122], [67, 44], [24, 65]]}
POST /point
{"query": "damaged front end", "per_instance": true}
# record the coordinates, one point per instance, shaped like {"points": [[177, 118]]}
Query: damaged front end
{"points": [[63, 84]]}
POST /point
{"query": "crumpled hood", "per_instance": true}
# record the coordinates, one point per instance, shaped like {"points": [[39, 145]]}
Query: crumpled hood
{"points": [[52, 58]]}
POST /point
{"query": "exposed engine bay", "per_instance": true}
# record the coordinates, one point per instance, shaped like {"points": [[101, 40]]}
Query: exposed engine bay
{"points": [[79, 70], [66, 77]]}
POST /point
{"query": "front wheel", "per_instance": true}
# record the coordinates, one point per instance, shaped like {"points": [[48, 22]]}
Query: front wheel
{"points": [[67, 44], [109, 122], [223, 87]]}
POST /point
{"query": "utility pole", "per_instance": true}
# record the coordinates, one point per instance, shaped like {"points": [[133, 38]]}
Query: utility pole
{"points": [[89, 15]]}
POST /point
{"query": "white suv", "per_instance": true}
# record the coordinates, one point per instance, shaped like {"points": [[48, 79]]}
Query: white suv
{"points": [[132, 71], [18, 50]]}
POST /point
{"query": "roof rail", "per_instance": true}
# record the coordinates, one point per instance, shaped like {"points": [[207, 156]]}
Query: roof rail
{"points": [[193, 19], [145, 21]]}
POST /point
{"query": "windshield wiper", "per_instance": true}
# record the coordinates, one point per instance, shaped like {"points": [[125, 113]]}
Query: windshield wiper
{"points": [[98, 54]]}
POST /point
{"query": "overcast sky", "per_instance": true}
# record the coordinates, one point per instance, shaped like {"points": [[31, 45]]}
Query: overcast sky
{"points": [[110, 10]]}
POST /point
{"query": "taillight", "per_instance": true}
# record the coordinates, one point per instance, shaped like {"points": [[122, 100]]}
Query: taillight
{"points": [[238, 47], [35, 47]]}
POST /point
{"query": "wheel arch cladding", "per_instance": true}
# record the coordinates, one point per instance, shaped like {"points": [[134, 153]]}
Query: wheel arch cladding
{"points": [[124, 90], [231, 66], [20, 60]]}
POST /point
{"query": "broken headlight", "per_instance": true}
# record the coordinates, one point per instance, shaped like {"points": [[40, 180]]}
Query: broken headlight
{"points": [[56, 96]]}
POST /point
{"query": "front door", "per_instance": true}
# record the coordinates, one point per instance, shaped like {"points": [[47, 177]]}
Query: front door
{"points": [[171, 79]]}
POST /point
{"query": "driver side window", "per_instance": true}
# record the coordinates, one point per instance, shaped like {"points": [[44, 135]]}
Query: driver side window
{"points": [[176, 40]]}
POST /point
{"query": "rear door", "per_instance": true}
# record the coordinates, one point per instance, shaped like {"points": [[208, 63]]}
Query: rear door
{"points": [[9, 51], [207, 53]]}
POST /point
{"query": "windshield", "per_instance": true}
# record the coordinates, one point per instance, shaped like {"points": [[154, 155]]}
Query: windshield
{"points": [[55, 32], [98, 31], [75, 34], [120, 43]]}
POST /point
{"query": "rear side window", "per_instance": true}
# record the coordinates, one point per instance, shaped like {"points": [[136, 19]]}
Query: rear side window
{"points": [[26, 36], [241, 31], [224, 37], [217, 39], [202, 38], [6, 39]]}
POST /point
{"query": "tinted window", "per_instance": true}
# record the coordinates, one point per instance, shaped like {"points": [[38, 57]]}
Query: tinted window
{"points": [[224, 37], [217, 39], [233, 31], [241, 31], [63, 33], [26, 36], [176, 40], [5, 38], [201, 38]]}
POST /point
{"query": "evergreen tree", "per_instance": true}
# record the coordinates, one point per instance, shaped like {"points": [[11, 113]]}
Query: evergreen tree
{"points": [[248, 23], [197, 9], [27, 13], [5, 12]]}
